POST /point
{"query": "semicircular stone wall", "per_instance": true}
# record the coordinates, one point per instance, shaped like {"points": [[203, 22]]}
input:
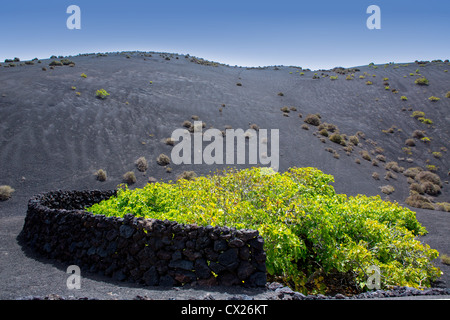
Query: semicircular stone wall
{"points": [[146, 251]]}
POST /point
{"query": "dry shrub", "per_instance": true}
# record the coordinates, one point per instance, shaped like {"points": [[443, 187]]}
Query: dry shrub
{"points": [[388, 189], [410, 142], [430, 188], [376, 176], [336, 138], [163, 160], [416, 188], [5, 192], [187, 175], [101, 175], [365, 155], [169, 141], [312, 119], [418, 134], [412, 172], [390, 175], [394, 167], [129, 177], [354, 140], [418, 201], [429, 176], [187, 124], [141, 164]]}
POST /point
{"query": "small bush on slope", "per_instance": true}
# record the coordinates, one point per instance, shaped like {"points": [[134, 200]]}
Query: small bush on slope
{"points": [[309, 231]]}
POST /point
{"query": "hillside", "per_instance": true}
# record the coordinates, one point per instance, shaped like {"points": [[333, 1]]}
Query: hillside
{"points": [[55, 133]]}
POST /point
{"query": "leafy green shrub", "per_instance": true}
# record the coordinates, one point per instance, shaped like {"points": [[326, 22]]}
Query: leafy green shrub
{"points": [[422, 81], [418, 201], [447, 95], [101, 94], [311, 234], [437, 154], [5, 192], [83, 75], [55, 63], [425, 120], [336, 138], [388, 189], [404, 98]]}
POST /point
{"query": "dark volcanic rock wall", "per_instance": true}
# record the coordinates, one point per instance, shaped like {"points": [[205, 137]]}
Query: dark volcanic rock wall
{"points": [[146, 251]]}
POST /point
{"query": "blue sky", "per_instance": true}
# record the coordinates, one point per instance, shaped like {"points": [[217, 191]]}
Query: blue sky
{"points": [[311, 34]]}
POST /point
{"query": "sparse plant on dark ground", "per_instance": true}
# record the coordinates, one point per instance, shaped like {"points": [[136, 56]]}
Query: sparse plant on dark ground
{"points": [[434, 99], [5, 192], [129, 177], [187, 175], [141, 164], [422, 81], [163, 160], [388, 189], [365, 155], [101, 94], [312, 119], [297, 246], [101, 175]]}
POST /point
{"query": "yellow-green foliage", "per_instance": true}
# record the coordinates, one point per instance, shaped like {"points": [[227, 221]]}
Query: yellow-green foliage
{"points": [[309, 231]]}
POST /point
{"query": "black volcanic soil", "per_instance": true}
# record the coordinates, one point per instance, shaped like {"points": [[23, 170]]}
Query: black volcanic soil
{"points": [[51, 138]]}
